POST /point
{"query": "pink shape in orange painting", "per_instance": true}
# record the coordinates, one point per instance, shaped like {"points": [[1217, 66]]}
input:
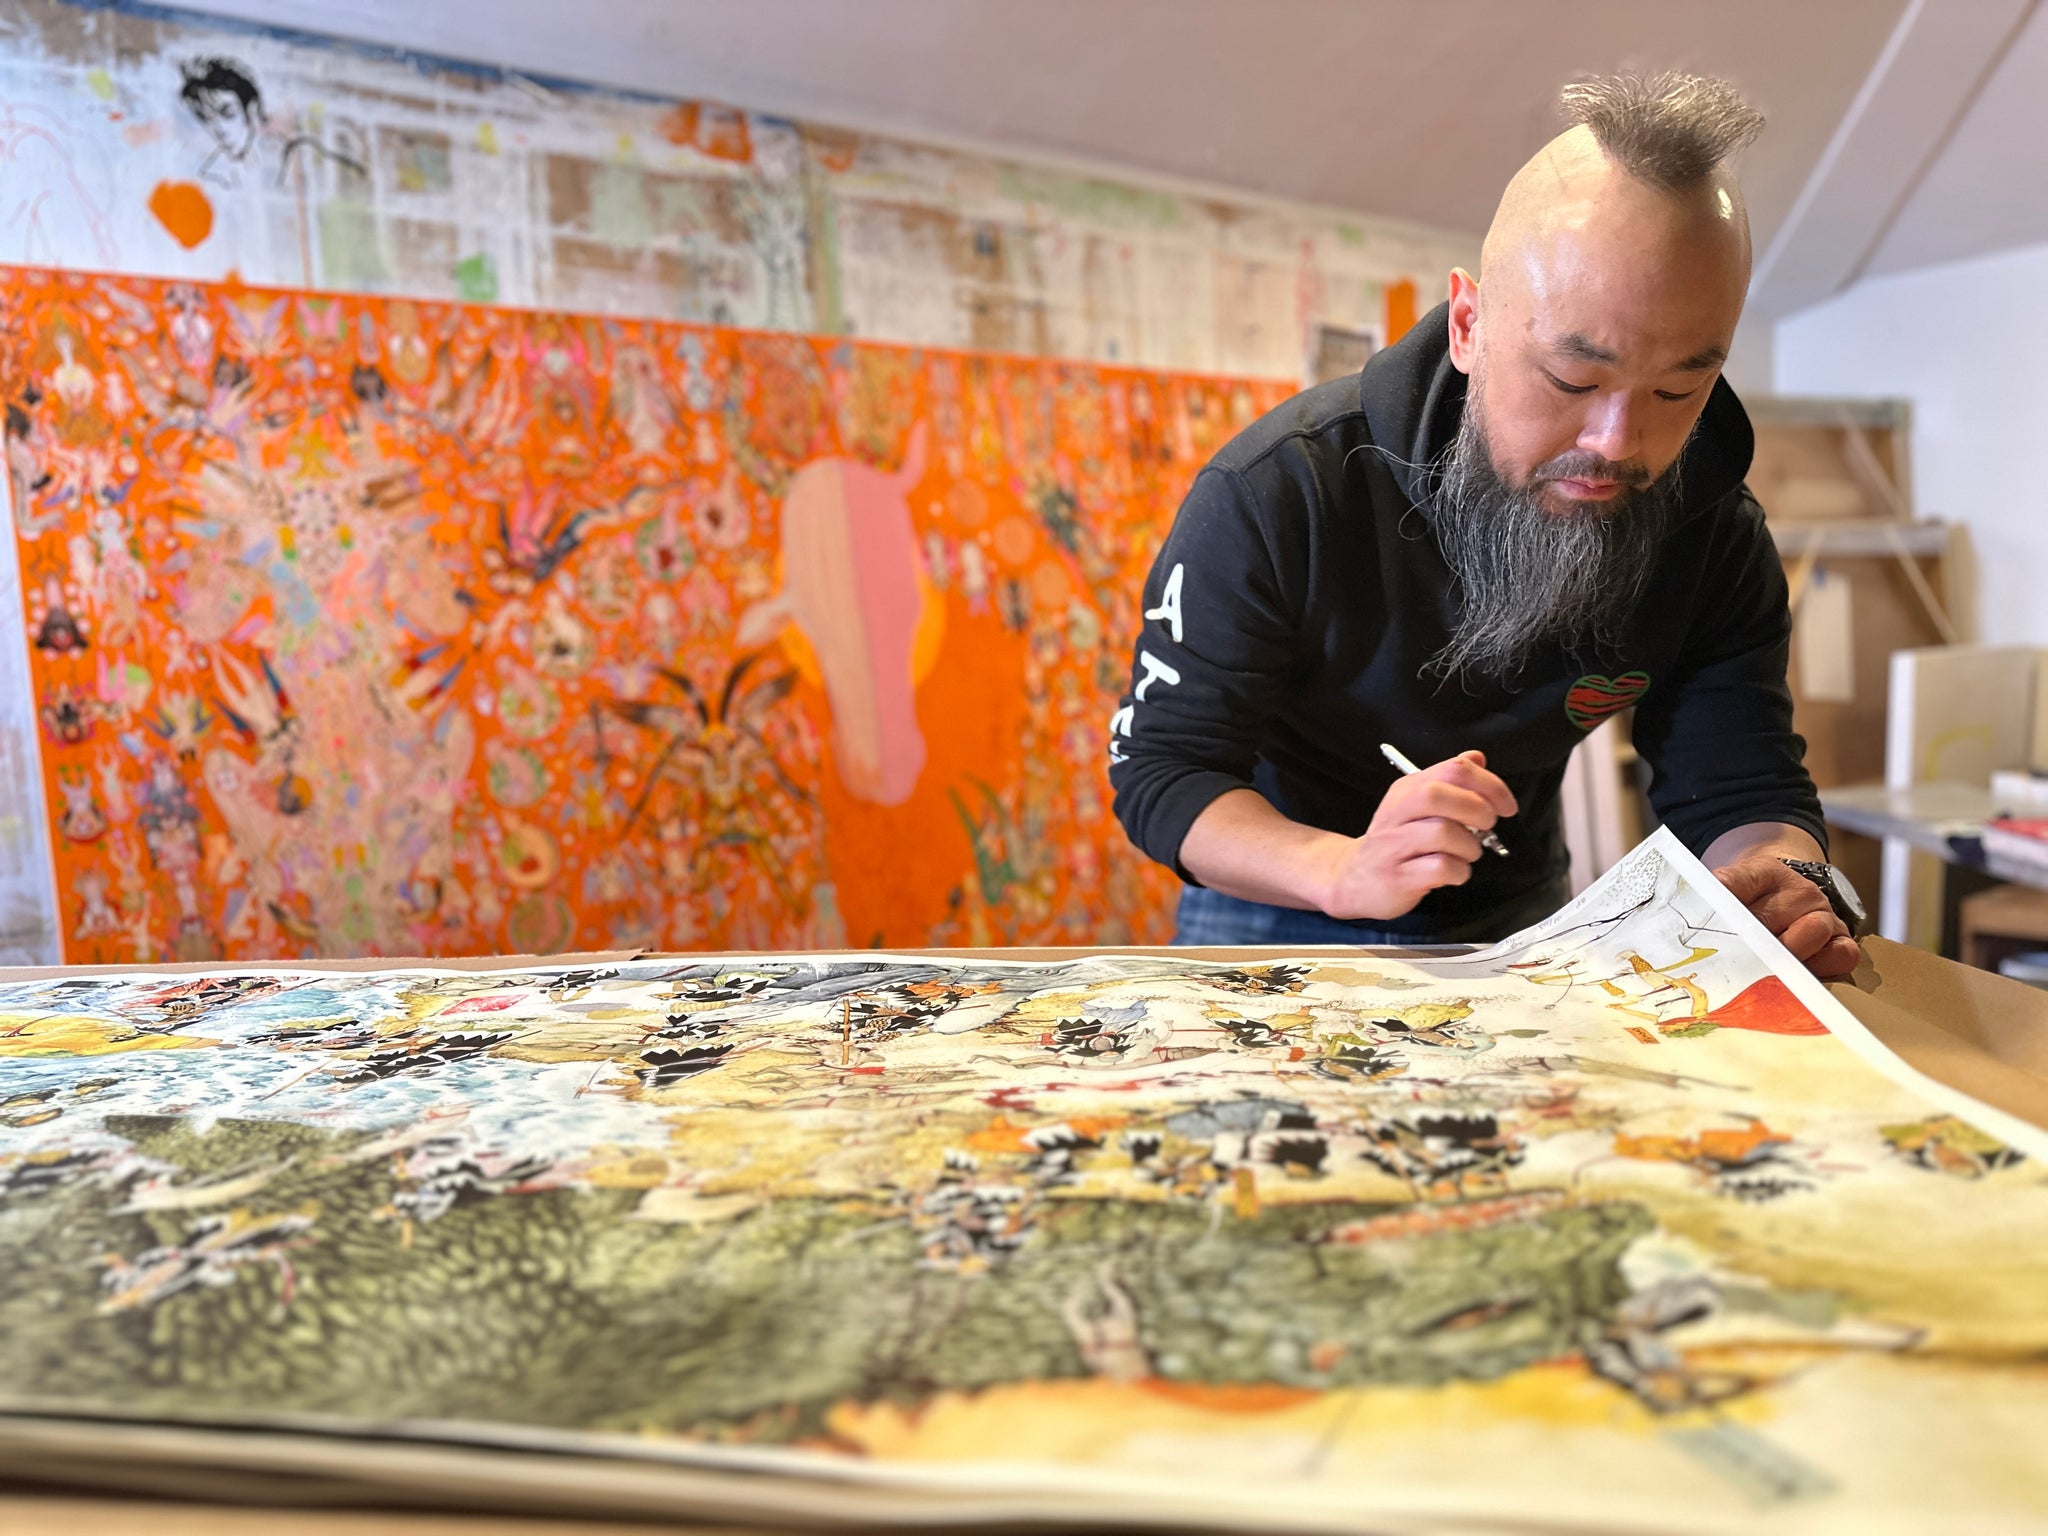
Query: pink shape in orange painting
{"points": [[851, 569]]}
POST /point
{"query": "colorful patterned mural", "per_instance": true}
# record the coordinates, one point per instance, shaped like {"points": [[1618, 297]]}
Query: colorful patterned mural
{"points": [[367, 626]]}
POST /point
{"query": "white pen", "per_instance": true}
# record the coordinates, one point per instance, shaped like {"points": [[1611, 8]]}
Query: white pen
{"points": [[1400, 761]]}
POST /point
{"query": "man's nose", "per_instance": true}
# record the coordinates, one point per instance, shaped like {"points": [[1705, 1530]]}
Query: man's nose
{"points": [[1612, 427]]}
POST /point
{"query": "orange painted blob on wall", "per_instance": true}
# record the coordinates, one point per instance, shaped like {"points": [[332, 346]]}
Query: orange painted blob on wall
{"points": [[184, 210]]}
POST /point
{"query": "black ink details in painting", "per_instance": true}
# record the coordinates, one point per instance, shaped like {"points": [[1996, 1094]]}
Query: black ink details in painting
{"points": [[664, 1067]]}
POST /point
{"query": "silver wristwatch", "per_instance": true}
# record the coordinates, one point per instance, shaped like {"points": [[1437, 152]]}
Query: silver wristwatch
{"points": [[1841, 895]]}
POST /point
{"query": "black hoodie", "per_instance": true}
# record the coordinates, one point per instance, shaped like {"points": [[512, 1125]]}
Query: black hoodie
{"points": [[1300, 593]]}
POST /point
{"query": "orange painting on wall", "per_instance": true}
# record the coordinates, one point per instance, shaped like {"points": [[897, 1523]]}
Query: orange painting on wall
{"points": [[361, 626]]}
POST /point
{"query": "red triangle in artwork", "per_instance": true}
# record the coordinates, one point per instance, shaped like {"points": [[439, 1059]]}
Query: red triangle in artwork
{"points": [[1770, 1007]]}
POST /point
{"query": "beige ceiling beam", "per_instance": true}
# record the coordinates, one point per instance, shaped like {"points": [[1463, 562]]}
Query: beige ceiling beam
{"points": [[1935, 62]]}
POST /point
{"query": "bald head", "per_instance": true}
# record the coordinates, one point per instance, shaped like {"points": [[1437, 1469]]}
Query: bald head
{"points": [[1575, 199], [1633, 135]]}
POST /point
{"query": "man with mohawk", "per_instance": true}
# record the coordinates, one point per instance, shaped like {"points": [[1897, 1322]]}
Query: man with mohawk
{"points": [[1524, 516]]}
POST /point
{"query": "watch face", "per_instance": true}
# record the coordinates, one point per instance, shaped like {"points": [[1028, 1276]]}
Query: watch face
{"points": [[1845, 893]]}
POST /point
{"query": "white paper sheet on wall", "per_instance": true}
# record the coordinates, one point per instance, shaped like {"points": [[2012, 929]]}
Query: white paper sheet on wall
{"points": [[1825, 636], [28, 897]]}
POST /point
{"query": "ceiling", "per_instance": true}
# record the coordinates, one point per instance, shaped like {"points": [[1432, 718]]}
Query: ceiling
{"points": [[1417, 109], [1987, 187]]}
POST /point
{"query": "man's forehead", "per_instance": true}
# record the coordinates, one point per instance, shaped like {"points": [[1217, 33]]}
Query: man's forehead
{"points": [[1581, 347]]}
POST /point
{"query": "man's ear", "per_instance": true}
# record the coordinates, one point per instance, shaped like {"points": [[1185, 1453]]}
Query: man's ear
{"points": [[1464, 319]]}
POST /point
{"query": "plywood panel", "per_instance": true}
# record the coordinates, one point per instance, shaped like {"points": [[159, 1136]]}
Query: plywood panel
{"points": [[1845, 741], [1960, 713], [1806, 467]]}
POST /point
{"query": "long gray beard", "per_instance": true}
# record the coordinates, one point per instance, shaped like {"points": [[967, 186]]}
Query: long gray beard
{"points": [[1528, 577]]}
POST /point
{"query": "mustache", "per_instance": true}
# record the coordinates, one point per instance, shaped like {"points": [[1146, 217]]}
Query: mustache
{"points": [[1583, 464]]}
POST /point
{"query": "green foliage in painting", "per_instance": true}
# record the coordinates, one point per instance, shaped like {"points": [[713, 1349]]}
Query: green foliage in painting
{"points": [[318, 1294]]}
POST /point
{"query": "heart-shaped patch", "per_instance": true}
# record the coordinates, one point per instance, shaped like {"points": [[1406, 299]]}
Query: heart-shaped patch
{"points": [[1596, 696]]}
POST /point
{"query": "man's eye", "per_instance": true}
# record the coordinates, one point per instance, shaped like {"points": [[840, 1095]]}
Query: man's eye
{"points": [[1672, 394], [1570, 389]]}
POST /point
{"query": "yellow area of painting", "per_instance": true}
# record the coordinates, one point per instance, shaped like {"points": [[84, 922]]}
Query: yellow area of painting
{"points": [[1997, 1304], [1098, 1420], [594, 1041], [821, 1153], [84, 1037], [625, 1168], [1351, 976], [1001, 1135], [1912, 1429], [1823, 1097], [1548, 1423]]}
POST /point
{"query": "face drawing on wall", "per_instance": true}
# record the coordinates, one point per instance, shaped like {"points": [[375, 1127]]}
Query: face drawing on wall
{"points": [[223, 96]]}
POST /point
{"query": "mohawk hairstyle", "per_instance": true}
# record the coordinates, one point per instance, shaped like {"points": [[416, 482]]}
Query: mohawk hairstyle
{"points": [[1669, 130]]}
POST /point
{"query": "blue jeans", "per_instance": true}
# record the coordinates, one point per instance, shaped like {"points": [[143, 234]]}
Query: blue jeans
{"points": [[1210, 917]]}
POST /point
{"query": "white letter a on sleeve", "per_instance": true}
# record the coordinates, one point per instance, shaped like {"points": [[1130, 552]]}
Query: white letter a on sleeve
{"points": [[1169, 604]]}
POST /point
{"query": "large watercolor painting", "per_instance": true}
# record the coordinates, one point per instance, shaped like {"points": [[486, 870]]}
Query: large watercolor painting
{"points": [[363, 626], [1625, 1221]]}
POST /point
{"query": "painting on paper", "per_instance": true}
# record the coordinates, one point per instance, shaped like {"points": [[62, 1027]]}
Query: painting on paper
{"points": [[1615, 1221], [361, 626]]}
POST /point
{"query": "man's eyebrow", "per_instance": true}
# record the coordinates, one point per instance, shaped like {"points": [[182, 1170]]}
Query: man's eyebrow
{"points": [[1702, 360], [1576, 345]]}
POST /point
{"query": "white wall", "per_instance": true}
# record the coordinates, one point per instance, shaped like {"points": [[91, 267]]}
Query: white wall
{"points": [[1967, 343]]}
